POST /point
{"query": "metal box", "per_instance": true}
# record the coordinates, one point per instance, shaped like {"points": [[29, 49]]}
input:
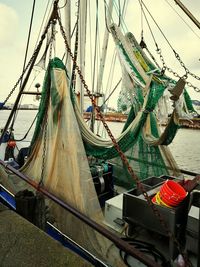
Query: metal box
{"points": [[136, 211], [113, 213], [193, 222]]}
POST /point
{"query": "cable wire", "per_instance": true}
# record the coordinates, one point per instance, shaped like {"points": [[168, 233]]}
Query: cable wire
{"points": [[182, 19]]}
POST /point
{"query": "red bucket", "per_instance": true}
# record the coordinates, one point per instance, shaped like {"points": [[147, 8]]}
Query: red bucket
{"points": [[156, 199], [172, 193]]}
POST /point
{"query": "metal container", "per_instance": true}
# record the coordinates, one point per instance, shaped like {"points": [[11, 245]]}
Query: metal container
{"points": [[136, 211]]}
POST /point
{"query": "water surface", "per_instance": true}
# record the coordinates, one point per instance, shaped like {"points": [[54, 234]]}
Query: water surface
{"points": [[185, 147]]}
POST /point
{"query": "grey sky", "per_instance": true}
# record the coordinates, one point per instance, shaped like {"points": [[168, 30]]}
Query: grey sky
{"points": [[14, 23]]}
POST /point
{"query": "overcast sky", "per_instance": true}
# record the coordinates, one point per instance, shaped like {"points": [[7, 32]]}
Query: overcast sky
{"points": [[14, 25]]}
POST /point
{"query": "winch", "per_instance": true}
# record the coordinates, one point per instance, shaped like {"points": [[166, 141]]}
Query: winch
{"points": [[103, 181]]}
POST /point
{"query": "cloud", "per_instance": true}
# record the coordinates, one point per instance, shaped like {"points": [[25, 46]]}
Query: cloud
{"points": [[9, 25]]}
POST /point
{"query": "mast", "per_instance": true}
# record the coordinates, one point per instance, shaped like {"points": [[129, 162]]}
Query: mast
{"points": [[68, 32], [81, 48], [188, 13], [104, 48]]}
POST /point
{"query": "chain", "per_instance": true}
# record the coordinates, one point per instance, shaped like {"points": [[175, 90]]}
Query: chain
{"points": [[28, 65], [164, 68], [52, 18], [52, 40], [43, 153], [186, 69], [52, 22], [153, 58], [117, 147]]}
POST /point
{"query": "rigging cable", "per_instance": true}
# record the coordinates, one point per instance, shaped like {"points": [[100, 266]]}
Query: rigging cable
{"points": [[94, 62], [73, 76], [105, 15], [112, 92], [90, 35], [119, 23], [182, 19], [29, 35], [25, 58], [118, 12], [28, 41], [177, 56], [18, 140], [98, 56], [41, 27], [95, 45], [28, 68], [72, 34], [142, 28], [124, 10], [175, 53], [142, 39], [110, 80]]}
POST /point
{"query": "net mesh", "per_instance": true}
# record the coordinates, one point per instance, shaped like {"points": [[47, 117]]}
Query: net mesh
{"points": [[64, 165], [58, 158], [141, 140]]}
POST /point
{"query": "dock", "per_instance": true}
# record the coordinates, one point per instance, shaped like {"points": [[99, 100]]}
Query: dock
{"points": [[23, 244], [113, 117], [193, 123]]}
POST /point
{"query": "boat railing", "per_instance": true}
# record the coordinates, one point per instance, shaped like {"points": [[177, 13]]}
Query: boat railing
{"points": [[121, 244]]}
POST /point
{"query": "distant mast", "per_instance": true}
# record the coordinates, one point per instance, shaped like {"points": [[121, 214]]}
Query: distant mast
{"points": [[104, 48], [188, 13], [81, 49], [68, 33]]}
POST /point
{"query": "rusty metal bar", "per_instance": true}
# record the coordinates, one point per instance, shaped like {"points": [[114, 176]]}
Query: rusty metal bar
{"points": [[106, 233], [34, 57], [31, 93]]}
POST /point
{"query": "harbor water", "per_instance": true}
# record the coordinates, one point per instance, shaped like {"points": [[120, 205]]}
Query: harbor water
{"points": [[185, 146]]}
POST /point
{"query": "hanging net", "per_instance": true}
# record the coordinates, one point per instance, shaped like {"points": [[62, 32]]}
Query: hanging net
{"points": [[58, 162], [62, 141], [148, 154], [140, 140]]}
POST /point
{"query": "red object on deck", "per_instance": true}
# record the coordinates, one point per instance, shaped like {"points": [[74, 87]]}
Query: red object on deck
{"points": [[172, 193]]}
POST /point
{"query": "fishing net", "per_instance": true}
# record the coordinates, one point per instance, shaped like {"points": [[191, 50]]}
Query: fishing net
{"points": [[141, 140], [59, 164], [58, 158], [148, 155]]}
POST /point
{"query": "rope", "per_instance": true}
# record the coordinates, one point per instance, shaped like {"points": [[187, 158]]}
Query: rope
{"points": [[18, 140]]}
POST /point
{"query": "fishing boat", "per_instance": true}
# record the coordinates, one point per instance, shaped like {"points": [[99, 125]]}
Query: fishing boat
{"points": [[115, 201]]}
